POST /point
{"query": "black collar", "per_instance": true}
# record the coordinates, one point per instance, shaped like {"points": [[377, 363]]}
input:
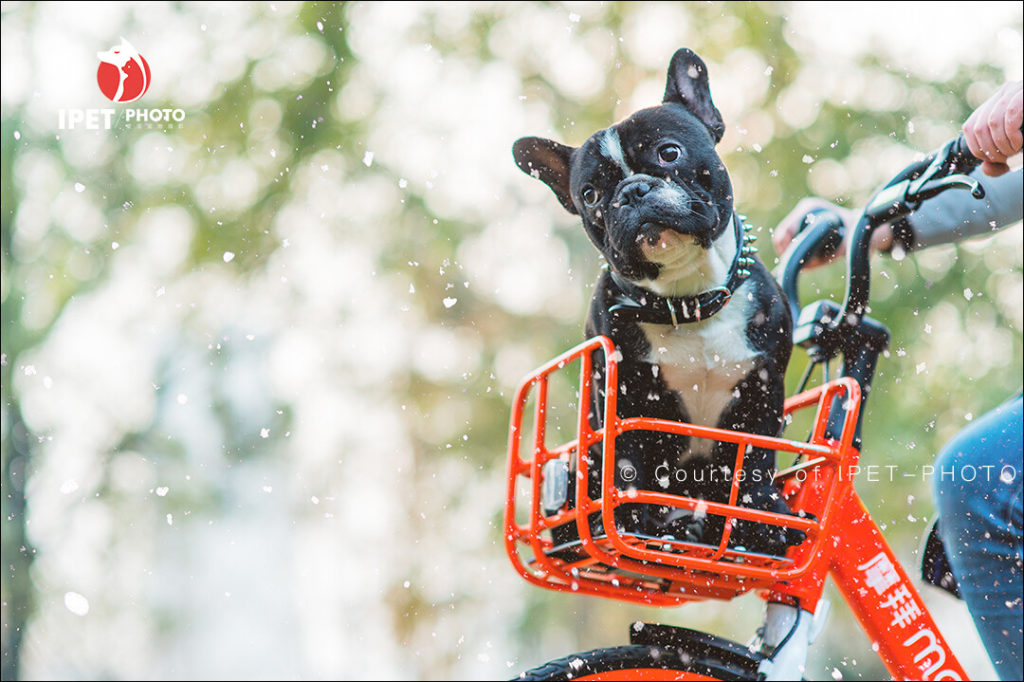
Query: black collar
{"points": [[643, 305]]}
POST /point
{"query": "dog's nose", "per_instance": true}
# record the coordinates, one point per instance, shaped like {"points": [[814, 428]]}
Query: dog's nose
{"points": [[635, 191]]}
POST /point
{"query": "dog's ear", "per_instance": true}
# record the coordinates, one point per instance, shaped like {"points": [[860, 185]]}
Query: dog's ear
{"points": [[548, 161], [688, 85]]}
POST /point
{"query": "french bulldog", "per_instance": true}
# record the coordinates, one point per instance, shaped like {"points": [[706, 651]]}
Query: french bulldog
{"points": [[704, 331]]}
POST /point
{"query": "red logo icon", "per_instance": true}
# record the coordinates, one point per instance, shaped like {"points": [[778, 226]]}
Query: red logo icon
{"points": [[123, 75]]}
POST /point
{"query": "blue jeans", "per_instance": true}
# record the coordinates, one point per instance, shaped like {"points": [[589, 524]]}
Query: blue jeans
{"points": [[978, 485]]}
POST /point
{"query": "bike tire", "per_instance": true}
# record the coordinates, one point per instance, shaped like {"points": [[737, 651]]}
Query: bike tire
{"points": [[643, 662]]}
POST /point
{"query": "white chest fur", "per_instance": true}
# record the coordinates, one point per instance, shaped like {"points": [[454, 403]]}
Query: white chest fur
{"points": [[703, 361]]}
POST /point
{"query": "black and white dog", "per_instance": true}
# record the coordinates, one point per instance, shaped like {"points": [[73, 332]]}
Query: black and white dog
{"points": [[704, 331]]}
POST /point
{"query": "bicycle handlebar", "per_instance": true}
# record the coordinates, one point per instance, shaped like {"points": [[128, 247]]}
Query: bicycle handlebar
{"points": [[938, 172], [963, 156], [820, 235], [828, 330]]}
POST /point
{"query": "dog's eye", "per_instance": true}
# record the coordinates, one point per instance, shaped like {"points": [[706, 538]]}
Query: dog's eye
{"points": [[590, 195], [669, 153]]}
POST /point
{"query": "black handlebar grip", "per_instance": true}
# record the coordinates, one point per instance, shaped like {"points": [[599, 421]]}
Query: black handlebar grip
{"points": [[820, 235], [961, 158], [829, 232]]}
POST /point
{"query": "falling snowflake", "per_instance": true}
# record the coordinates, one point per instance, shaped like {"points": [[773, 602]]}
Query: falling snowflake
{"points": [[76, 603]]}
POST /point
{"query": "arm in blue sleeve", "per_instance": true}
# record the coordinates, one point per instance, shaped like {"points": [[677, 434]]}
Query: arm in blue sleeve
{"points": [[955, 214]]}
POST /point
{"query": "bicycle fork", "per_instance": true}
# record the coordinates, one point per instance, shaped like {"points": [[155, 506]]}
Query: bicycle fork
{"points": [[788, 632]]}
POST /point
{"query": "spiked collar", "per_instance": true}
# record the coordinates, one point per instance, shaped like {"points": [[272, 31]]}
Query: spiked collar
{"points": [[642, 305]]}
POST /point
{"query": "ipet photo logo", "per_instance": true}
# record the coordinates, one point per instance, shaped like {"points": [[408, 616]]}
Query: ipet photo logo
{"points": [[123, 75]]}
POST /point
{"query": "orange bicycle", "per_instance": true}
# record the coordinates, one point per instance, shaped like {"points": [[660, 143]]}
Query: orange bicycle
{"points": [[546, 494]]}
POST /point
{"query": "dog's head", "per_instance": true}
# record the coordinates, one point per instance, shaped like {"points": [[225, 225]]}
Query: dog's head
{"points": [[651, 190]]}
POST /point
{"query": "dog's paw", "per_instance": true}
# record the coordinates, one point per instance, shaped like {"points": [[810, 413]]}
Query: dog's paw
{"points": [[676, 524], [765, 538]]}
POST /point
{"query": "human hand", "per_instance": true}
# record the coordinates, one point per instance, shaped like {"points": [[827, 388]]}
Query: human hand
{"points": [[993, 131], [787, 229]]}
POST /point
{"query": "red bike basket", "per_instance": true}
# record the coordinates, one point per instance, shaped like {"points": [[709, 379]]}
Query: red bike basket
{"points": [[624, 564]]}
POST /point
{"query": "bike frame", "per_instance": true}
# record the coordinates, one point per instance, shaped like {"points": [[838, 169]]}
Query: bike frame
{"points": [[878, 591], [844, 542]]}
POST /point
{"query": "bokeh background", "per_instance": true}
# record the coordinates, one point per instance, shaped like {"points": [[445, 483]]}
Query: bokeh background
{"points": [[256, 366]]}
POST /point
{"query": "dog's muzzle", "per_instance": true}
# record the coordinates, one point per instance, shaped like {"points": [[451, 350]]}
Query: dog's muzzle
{"points": [[645, 206]]}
